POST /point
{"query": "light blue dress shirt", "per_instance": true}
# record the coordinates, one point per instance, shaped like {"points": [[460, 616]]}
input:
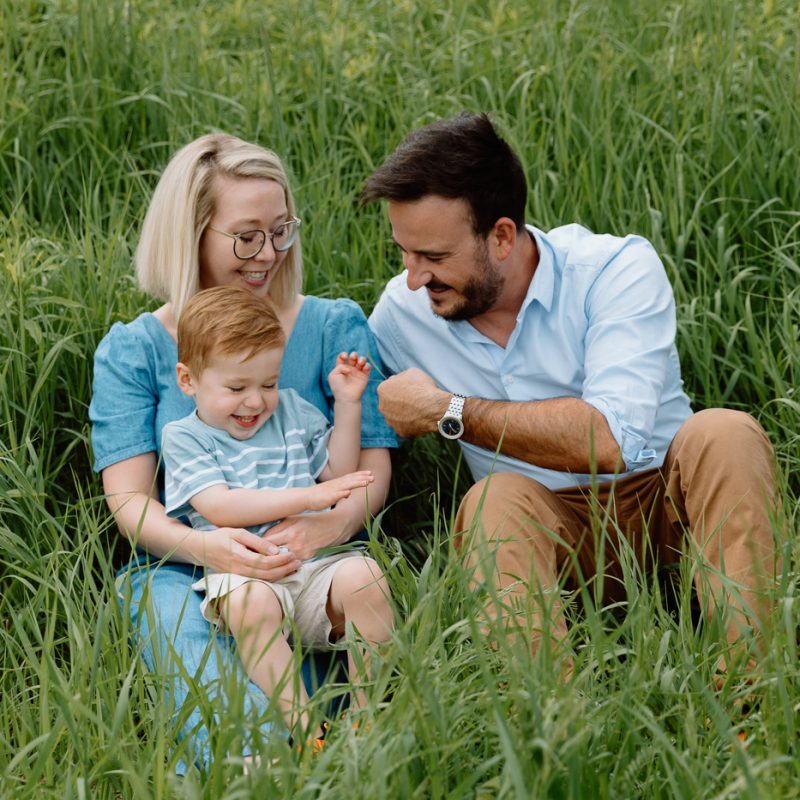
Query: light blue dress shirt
{"points": [[597, 323]]}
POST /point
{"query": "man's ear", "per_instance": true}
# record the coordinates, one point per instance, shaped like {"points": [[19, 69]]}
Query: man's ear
{"points": [[185, 380], [502, 238]]}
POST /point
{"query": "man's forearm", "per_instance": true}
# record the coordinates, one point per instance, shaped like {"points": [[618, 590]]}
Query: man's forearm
{"points": [[564, 433]]}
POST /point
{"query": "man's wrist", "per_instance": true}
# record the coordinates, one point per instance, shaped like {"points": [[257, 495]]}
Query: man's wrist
{"points": [[451, 423], [439, 403]]}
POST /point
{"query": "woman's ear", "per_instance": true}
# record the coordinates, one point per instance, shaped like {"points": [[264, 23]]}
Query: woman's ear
{"points": [[502, 238], [185, 380]]}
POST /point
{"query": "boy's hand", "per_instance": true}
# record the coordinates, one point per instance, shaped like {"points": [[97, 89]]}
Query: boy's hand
{"points": [[349, 377], [329, 493]]}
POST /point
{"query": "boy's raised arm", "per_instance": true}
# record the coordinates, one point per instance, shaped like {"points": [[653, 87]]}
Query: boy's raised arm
{"points": [[347, 379]]}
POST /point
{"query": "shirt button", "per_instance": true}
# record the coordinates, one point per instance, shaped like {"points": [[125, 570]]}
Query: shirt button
{"points": [[508, 380]]}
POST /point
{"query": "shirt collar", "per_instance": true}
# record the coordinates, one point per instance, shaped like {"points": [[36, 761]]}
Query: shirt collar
{"points": [[540, 290], [541, 287]]}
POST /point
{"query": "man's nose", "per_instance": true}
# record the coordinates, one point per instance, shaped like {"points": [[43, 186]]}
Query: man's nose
{"points": [[418, 275]]}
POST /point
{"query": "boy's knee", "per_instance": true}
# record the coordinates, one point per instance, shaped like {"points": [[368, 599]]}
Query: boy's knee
{"points": [[361, 577], [251, 602]]}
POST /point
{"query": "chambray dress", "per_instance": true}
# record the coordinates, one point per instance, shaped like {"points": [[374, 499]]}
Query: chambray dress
{"points": [[134, 395]]}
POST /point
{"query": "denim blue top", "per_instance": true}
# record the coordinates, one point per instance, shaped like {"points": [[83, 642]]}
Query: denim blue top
{"points": [[135, 392], [597, 323]]}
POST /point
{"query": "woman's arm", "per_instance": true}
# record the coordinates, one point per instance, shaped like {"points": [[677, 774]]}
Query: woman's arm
{"points": [[129, 487], [305, 534]]}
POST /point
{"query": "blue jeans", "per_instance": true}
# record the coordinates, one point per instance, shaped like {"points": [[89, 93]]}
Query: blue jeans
{"points": [[193, 660]]}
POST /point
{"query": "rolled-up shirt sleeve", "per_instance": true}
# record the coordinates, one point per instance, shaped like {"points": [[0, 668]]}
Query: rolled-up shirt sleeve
{"points": [[630, 333]]}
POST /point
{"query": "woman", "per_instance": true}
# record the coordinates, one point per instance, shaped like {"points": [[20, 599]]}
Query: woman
{"points": [[222, 214]]}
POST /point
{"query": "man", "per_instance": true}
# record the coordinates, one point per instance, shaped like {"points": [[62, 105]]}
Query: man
{"points": [[551, 358]]}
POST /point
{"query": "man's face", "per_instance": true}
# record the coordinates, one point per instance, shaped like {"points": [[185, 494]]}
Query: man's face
{"points": [[444, 256]]}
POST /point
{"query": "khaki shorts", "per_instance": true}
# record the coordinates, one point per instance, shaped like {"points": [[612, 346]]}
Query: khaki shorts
{"points": [[303, 595]]}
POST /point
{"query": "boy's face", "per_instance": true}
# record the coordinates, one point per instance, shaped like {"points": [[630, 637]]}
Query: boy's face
{"points": [[234, 393]]}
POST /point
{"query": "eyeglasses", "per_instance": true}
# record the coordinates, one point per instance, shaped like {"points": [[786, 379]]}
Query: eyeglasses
{"points": [[249, 244]]}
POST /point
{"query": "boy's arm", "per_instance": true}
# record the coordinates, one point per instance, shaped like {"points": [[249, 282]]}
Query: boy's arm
{"points": [[241, 508], [348, 379], [344, 444]]}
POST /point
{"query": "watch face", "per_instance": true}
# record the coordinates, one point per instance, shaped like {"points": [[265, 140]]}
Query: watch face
{"points": [[452, 427]]}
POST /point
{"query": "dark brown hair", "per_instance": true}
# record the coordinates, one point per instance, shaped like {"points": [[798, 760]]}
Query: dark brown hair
{"points": [[461, 157]]}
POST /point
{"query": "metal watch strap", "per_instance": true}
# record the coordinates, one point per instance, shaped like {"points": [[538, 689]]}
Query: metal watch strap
{"points": [[456, 407]]}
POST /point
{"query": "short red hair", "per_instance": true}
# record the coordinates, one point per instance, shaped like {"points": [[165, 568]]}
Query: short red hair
{"points": [[223, 321]]}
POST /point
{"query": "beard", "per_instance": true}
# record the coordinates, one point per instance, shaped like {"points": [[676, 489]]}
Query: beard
{"points": [[478, 294]]}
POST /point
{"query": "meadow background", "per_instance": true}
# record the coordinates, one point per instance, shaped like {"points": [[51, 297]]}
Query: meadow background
{"points": [[675, 120]]}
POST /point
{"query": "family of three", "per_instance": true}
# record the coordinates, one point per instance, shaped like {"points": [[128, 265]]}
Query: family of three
{"points": [[549, 356]]}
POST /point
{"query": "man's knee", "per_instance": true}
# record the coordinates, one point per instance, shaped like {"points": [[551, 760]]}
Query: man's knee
{"points": [[729, 437], [501, 490], [508, 505], [725, 426]]}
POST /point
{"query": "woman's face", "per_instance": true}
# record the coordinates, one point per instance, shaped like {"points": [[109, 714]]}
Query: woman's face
{"points": [[242, 204]]}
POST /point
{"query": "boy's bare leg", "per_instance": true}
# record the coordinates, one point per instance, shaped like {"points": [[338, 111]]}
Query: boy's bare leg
{"points": [[359, 594], [255, 618]]}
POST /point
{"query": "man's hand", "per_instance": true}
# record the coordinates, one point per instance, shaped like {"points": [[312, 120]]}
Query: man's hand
{"points": [[412, 403]]}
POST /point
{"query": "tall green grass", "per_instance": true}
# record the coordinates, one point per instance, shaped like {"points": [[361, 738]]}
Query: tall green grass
{"points": [[674, 120]]}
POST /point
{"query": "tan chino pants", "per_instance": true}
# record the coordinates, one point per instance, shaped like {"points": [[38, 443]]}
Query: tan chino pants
{"points": [[714, 495]]}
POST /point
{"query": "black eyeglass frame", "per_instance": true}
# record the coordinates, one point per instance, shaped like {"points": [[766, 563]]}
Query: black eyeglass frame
{"points": [[293, 223]]}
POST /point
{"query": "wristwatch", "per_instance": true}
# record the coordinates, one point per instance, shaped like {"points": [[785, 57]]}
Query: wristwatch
{"points": [[451, 425]]}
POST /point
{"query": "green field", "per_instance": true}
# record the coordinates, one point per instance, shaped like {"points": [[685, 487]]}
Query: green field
{"points": [[679, 121]]}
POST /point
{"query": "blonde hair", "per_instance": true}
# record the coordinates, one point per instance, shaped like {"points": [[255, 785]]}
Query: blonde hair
{"points": [[167, 256], [226, 320]]}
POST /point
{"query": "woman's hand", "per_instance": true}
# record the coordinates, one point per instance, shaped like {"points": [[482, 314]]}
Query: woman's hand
{"points": [[130, 492], [243, 553], [305, 534]]}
